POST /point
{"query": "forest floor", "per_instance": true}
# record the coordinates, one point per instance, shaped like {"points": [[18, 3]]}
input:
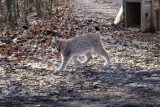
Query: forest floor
{"points": [[133, 80]]}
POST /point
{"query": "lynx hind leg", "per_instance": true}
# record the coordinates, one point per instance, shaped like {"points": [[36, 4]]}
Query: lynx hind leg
{"points": [[77, 60], [88, 57], [100, 50]]}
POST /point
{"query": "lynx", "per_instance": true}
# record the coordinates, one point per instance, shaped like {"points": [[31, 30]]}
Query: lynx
{"points": [[81, 45]]}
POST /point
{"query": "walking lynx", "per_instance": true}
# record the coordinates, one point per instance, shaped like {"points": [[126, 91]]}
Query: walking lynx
{"points": [[81, 45]]}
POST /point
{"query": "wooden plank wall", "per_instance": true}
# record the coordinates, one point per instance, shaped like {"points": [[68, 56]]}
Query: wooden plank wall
{"points": [[148, 15]]}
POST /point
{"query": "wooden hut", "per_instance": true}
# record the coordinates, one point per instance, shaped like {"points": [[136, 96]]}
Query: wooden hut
{"points": [[142, 14]]}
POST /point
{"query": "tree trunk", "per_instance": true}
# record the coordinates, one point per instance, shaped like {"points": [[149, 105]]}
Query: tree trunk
{"points": [[10, 18], [17, 8], [50, 7], [38, 8], [0, 7], [1, 11], [30, 5], [15, 11], [55, 3], [25, 12]]}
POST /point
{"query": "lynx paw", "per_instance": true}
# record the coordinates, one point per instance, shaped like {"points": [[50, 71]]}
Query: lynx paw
{"points": [[107, 64], [57, 71]]}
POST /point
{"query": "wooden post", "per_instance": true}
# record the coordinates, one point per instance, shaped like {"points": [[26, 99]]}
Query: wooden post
{"points": [[118, 18], [143, 27], [153, 16]]}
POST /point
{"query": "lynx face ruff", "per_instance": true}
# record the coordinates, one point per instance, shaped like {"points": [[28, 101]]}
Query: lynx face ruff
{"points": [[81, 45]]}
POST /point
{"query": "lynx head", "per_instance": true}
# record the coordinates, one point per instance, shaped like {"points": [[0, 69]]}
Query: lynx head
{"points": [[55, 45]]}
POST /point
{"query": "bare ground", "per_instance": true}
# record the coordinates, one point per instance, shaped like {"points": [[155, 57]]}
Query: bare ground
{"points": [[133, 80]]}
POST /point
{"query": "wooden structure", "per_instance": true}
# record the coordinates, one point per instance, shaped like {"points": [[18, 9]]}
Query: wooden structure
{"points": [[143, 14]]}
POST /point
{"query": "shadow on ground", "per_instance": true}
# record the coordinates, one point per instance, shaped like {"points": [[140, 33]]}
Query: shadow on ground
{"points": [[114, 86]]}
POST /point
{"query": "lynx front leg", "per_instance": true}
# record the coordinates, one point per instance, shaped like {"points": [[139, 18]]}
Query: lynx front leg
{"points": [[63, 64]]}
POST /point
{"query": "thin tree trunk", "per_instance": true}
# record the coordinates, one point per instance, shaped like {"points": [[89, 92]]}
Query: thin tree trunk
{"points": [[10, 18], [25, 12], [55, 3], [38, 8], [0, 6], [17, 8], [50, 7], [15, 11], [30, 5], [1, 11]]}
